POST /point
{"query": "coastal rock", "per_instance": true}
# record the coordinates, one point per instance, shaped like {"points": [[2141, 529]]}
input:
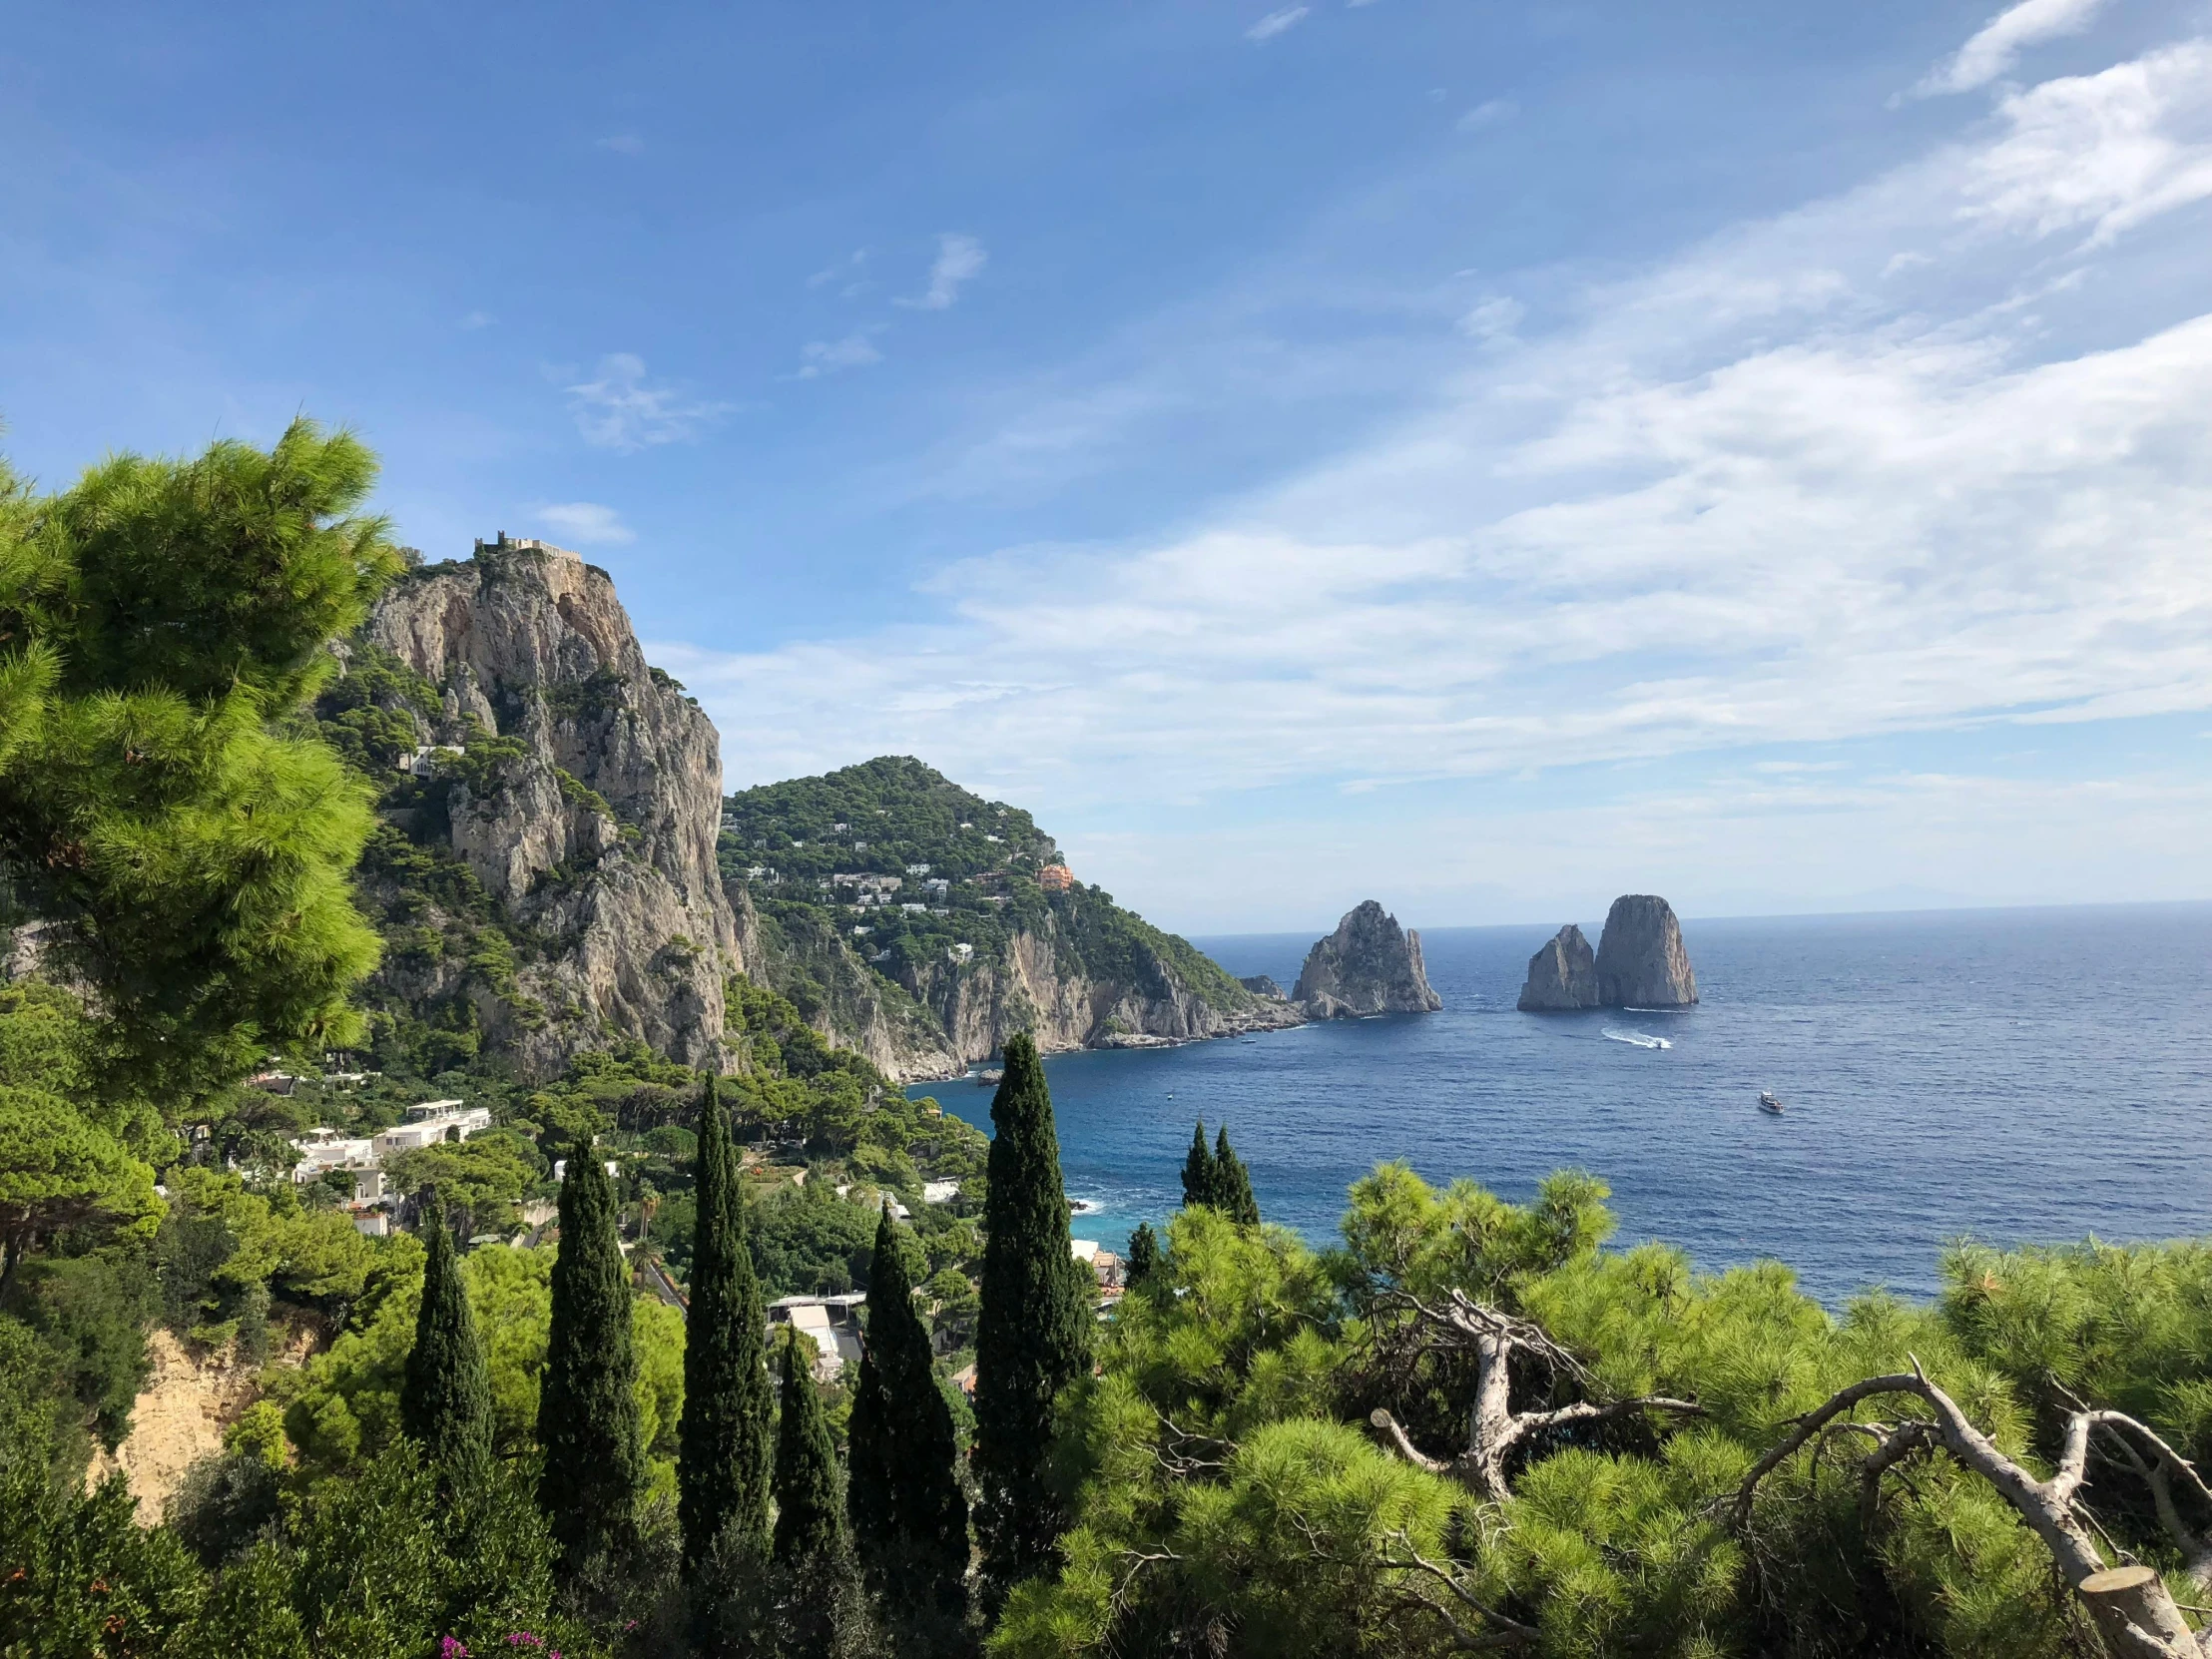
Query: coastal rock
{"points": [[1563, 974], [1260, 984], [583, 791], [1368, 965], [1641, 962]]}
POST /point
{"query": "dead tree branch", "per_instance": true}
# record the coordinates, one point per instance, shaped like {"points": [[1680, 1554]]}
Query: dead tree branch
{"points": [[2130, 1605], [1494, 1429]]}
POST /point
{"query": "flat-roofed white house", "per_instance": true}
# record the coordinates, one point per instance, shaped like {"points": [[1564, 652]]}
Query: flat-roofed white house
{"points": [[834, 1321]]}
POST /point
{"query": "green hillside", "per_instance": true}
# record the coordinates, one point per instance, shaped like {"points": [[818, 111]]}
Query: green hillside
{"points": [[788, 843]]}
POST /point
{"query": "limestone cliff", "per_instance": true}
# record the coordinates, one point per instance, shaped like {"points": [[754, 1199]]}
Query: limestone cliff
{"points": [[577, 786], [1563, 974], [1641, 962], [1368, 965]]}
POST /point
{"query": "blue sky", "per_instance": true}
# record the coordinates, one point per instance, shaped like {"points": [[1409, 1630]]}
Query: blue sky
{"points": [[1486, 456]]}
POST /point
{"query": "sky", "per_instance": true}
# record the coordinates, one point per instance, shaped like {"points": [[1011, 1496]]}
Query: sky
{"points": [[1483, 456]]}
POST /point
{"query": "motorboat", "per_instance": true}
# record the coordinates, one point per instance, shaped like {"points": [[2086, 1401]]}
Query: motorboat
{"points": [[1769, 1102]]}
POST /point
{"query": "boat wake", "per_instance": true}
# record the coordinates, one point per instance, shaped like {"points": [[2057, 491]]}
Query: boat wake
{"points": [[1641, 1039]]}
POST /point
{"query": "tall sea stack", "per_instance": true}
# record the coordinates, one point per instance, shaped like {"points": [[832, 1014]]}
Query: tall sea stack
{"points": [[1640, 959], [1368, 965], [1640, 963]]}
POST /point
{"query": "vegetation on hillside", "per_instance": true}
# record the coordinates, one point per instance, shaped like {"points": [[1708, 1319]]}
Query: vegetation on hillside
{"points": [[788, 843]]}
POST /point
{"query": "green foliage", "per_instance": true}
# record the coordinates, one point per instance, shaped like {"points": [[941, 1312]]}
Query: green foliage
{"points": [[224, 1504], [588, 1427], [910, 1516], [58, 1170], [809, 1521], [91, 1313], [445, 1388], [478, 1181], [1198, 1168], [344, 1405], [1144, 1254], [1033, 1334], [221, 1237], [1219, 1178], [722, 1470], [161, 622]]}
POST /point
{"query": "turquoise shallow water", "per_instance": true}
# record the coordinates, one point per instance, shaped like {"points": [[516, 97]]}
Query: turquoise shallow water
{"points": [[2014, 1075]]}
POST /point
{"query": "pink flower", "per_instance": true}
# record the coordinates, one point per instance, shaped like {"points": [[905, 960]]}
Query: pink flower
{"points": [[450, 1648]]}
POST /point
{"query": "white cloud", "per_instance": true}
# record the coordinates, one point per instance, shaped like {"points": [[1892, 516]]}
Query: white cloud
{"points": [[587, 524], [623, 144], [1784, 489], [959, 259], [1276, 22], [478, 320], [1491, 113], [1997, 47], [621, 409], [845, 270], [1494, 318], [830, 356]]}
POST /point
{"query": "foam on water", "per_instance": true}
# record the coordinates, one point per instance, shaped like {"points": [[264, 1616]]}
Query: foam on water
{"points": [[1642, 1039]]}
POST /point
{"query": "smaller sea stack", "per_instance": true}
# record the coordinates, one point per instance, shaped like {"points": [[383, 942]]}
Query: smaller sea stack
{"points": [[1368, 965], [1563, 974]]}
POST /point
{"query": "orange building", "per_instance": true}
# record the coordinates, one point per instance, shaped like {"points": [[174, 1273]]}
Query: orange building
{"points": [[1055, 878]]}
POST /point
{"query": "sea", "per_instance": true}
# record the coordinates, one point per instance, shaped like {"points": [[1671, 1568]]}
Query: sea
{"points": [[2028, 1075]]}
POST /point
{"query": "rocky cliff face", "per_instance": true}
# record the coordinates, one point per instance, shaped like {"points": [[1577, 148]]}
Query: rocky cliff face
{"points": [[584, 798], [1367, 966], [1563, 974], [802, 958], [1641, 962]]}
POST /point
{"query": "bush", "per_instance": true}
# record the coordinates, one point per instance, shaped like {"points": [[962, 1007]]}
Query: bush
{"points": [[224, 1504]]}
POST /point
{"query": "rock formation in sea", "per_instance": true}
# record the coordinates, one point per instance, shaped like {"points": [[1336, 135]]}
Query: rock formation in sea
{"points": [[1260, 984], [1641, 962], [578, 786], [1563, 974], [1368, 965]]}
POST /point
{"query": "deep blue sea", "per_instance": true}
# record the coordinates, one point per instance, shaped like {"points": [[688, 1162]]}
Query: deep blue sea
{"points": [[2012, 1075]]}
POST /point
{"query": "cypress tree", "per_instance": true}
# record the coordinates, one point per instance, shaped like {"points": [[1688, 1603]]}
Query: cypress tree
{"points": [[724, 1445], [445, 1390], [1144, 1254], [1233, 1195], [808, 1525], [909, 1514], [587, 1403], [1033, 1335], [1197, 1169]]}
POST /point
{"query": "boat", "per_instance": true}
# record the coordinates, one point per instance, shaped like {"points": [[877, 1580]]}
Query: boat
{"points": [[1768, 1102]]}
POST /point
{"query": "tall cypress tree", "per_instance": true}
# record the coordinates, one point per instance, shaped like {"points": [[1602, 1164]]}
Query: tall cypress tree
{"points": [[588, 1402], [1197, 1169], [910, 1516], [1233, 1195], [808, 1525], [445, 1390], [1144, 1255], [725, 1445], [1033, 1335]]}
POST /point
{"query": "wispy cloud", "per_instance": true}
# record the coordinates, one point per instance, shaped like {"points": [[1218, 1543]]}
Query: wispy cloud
{"points": [[1782, 489], [1276, 23], [623, 144], [960, 259], [1997, 47], [819, 357], [478, 320], [619, 408], [1488, 114], [587, 524], [845, 272]]}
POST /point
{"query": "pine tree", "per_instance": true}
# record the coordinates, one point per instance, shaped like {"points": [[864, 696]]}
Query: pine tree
{"points": [[445, 1390], [1033, 1334], [725, 1443], [1144, 1254], [910, 1516], [1197, 1169], [1233, 1195], [807, 1523], [587, 1403]]}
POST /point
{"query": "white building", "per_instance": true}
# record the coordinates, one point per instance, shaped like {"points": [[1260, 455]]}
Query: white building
{"points": [[323, 1148], [432, 1122], [834, 1321]]}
